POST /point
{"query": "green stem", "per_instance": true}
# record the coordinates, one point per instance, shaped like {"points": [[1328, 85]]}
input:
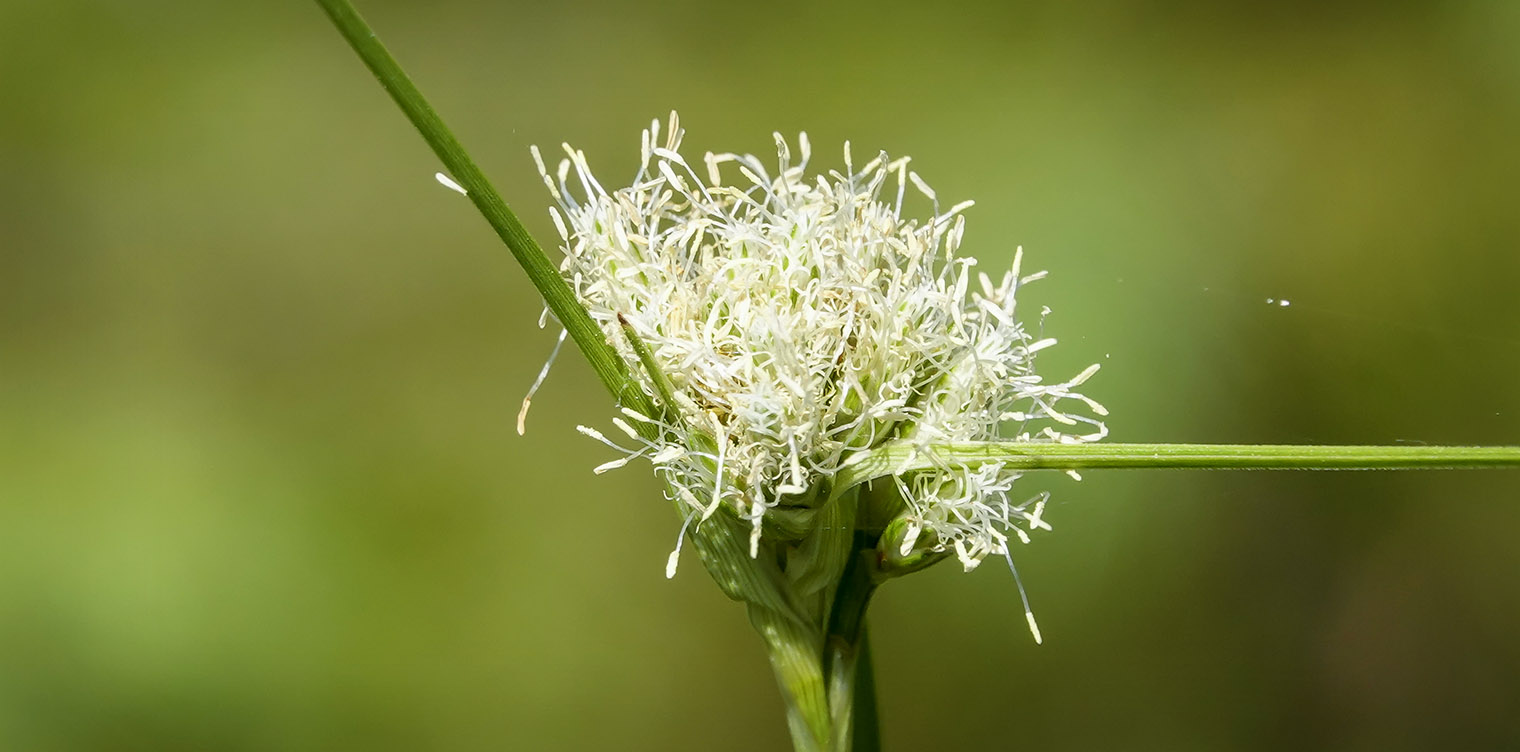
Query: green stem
{"points": [[662, 386], [541, 271], [852, 691], [794, 651], [899, 457], [867, 721]]}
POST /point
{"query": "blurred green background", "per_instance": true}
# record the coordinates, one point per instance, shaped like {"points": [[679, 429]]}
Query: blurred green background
{"points": [[260, 488]]}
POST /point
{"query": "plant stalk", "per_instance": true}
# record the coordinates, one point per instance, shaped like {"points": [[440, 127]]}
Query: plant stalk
{"points": [[899, 457], [794, 654], [609, 367], [851, 678]]}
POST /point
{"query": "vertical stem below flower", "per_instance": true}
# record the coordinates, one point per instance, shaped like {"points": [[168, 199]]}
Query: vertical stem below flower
{"points": [[851, 680], [867, 724], [794, 652]]}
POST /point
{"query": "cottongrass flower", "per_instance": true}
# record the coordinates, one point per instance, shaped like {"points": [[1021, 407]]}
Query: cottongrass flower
{"points": [[787, 323]]}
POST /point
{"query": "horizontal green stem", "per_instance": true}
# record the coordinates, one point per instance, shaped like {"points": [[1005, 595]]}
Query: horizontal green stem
{"points": [[541, 272], [897, 457]]}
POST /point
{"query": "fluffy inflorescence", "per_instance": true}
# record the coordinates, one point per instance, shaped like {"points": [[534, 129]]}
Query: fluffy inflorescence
{"points": [[800, 319]]}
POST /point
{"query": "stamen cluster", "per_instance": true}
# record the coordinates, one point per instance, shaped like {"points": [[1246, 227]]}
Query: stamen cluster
{"points": [[796, 320]]}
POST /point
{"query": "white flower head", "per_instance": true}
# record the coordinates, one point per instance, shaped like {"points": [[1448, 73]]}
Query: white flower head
{"points": [[799, 319]]}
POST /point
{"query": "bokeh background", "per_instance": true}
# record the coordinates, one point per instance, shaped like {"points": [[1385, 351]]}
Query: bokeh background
{"points": [[260, 488]]}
